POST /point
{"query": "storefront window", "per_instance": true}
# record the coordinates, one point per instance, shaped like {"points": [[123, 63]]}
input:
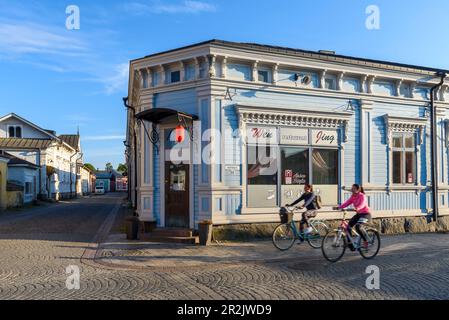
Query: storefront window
{"points": [[325, 175], [262, 176], [294, 172], [404, 159], [277, 172]]}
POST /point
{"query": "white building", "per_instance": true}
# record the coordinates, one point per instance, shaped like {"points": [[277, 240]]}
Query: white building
{"points": [[26, 174], [85, 183], [57, 156]]}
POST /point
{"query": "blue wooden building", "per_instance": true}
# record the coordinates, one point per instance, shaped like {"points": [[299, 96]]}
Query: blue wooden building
{"points": [[270, 119]]}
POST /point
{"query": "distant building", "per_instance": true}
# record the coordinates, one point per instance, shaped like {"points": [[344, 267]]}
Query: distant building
{"points": [[57, 156], [3, 181], [105, 180], [112, 181], [86, 181], [25, 174], [121, 183]]}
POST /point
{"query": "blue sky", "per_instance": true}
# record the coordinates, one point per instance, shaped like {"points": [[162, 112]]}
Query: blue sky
{"points": [[61, 79]]}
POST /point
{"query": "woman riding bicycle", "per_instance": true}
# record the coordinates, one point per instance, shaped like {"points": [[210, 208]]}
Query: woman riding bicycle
{"points": [[360, 203], [309, 203]]}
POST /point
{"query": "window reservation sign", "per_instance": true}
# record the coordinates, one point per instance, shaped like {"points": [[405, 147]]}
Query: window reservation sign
{"points": [[294, 136]]}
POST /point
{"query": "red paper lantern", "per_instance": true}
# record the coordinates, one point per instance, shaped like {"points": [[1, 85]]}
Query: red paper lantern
{"points": [[180, 134]]}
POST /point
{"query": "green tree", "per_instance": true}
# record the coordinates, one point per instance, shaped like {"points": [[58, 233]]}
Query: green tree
{"points": [[109, 166], [90, 167]]}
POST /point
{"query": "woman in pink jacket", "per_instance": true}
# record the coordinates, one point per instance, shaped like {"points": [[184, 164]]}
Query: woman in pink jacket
{"points": [[360, 203]]}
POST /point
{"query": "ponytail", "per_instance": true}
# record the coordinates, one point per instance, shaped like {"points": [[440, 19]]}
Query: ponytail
{"points": [[359, 187]]}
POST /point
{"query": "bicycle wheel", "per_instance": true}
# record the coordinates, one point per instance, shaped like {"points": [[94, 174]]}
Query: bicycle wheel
{"points": [[315, 239], [284, 237], [373, 248], [334, 245]]}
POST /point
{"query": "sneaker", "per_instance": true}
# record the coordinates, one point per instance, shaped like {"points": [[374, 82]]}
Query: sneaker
{"points": [[365, 245], [351, 246]]}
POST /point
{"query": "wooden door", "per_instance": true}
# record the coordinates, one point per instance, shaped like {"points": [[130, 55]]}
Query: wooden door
{"points": [[177, 195]]}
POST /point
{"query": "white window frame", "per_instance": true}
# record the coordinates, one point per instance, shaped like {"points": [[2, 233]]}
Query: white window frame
{"points": [[269, 75], [15, 126], [403, 150], [404, 125]]}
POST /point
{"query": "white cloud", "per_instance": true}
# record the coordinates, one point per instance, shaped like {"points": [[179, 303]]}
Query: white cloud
{"points": [[20, 38], [104, 138], [186, 7], [118, 80]]}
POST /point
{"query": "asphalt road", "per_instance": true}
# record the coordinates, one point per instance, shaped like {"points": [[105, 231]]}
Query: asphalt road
{"points": [[38, 246]]}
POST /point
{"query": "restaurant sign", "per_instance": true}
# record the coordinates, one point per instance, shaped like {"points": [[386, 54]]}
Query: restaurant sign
{"points": [[262, 135], [325, 138]]}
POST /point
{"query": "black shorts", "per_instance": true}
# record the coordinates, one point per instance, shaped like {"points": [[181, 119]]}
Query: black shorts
{"points": [[360, 218]]}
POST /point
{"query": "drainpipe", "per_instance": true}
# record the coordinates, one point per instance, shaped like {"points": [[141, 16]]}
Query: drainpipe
{"points": [[71, 180], [76, 174], [433, 145], [133, 110], [39, 152]]}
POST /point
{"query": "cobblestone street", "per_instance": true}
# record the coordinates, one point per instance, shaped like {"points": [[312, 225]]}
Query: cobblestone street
{"points": [[39, 244]]}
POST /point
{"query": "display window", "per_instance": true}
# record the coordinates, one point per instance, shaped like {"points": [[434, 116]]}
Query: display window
{"points": [[276, 174]]}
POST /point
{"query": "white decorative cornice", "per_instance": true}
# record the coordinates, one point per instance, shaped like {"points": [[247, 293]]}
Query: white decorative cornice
{"points": [[197, 67], [255, 73], [398, 87], [149, 78], [211, 62], [404, 125], [224, 67], [340, 76], [322, 75], [265, 115], [275, 72], [162, 70], [369, 84], [182, 70]]}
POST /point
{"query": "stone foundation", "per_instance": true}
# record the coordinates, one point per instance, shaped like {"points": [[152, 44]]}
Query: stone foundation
{"points": [[243, 232]]}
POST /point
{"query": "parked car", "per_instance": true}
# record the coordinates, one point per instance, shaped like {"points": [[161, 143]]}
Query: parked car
{"points": [[99, 190]]}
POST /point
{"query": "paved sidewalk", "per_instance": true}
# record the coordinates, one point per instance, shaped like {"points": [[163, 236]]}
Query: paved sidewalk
{"points": [[119, 252]]}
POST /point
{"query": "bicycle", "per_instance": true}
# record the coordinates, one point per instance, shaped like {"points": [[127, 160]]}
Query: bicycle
{"points": [[337, 241], [285, 235]]}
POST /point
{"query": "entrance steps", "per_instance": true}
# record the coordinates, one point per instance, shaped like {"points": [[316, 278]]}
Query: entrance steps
{"points": [[170, 235]]}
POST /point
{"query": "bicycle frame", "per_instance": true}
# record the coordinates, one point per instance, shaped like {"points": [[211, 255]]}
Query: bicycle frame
{"points": [[344, 230], [299, 235]]}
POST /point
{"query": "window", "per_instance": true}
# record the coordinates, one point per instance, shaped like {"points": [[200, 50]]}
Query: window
{"points": [[262, 176], [263, 76], [175, 76], [329, 84], [294, 172], [28, 188], [15, 132], [404, 159], [325, 167], [325, 175], [272, 182]]}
